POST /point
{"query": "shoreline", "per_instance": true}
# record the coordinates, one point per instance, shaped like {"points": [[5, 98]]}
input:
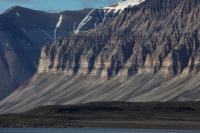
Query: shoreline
{"points": [[107, 129]]}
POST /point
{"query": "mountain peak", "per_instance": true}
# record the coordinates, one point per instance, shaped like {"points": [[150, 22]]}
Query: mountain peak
{"points": [[13, 8], [17, 10], [119, 7]]}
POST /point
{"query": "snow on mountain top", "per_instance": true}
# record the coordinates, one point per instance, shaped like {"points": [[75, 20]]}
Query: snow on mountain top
{"points": [[123, 4], [119, 7]]}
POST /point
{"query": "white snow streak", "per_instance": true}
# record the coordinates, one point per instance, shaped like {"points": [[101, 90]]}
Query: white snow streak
{"points": [[84, 21], [57, 26], [59, 21]]}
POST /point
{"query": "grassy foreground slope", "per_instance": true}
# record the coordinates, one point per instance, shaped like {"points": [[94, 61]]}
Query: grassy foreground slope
{"points": [[169, 115]]}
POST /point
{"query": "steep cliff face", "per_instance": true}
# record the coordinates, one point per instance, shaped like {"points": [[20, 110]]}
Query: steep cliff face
{"points": [[153, 37]]}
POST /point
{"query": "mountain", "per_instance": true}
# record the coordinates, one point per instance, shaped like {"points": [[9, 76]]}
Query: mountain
{"points": [[23, 32], [147, 52], [132, 43], [32, 29]]}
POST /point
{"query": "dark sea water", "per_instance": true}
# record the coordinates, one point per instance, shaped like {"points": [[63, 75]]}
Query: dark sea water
{"points": [[77, 130]]}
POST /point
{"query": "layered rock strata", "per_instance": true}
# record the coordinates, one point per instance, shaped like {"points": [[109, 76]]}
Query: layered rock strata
{"points": [[155, 36]]}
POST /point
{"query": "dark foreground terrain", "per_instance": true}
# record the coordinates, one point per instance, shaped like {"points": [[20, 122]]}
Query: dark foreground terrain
{"points": [[171, 115]]}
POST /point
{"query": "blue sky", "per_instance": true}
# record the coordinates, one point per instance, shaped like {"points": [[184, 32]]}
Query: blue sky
{"points": [[55, 5]]}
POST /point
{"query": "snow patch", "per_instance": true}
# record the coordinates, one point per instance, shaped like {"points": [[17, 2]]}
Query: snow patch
{"points": [[57, 26], [119, 7], [83, 22], [59, 21]]}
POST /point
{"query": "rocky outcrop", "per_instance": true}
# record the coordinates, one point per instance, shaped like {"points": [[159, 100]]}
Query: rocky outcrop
{"points": [[153, 37]]}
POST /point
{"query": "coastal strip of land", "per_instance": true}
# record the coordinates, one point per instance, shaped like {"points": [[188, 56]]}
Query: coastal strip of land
{"points": [[154, 115]]}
